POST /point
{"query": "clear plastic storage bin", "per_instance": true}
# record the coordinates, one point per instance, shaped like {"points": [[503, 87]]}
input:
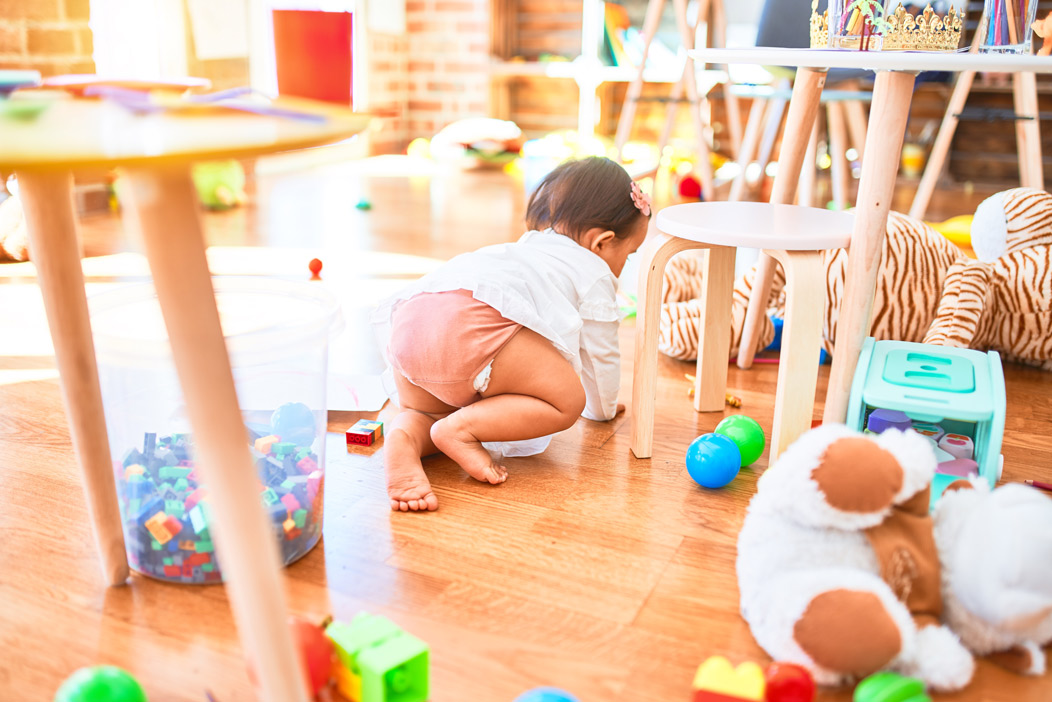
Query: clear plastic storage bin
{"points": [[277, 335]]}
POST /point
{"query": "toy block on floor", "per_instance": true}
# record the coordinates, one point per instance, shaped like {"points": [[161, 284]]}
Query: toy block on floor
{"points": [[378, 661], [365, 432], [718, 681]]}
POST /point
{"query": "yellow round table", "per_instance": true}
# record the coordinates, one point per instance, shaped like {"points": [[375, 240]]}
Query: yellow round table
{"points": [[155, 151]]}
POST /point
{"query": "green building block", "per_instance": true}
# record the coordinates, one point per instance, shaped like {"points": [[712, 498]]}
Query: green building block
{"points": [[204, 547], [302, 453], [199, 519], [269, 497], [890, 687], [287, 485], [175, 508], [207, 567], [300, 517], [173, 472], [283, 448], [182, 485], [392, 665], [167, 560]]}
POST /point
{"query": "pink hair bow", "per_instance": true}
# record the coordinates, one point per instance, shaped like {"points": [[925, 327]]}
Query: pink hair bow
{"points": [[641, 199]]}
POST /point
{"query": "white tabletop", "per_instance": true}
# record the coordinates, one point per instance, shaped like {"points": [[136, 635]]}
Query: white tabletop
{"points": [[915, 61], [758, 225]]}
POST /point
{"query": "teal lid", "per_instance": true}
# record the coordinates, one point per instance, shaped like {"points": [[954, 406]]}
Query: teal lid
{"points": [[929, 371]]}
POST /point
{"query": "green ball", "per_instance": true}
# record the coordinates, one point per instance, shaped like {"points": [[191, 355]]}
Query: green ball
{"points": [[746, 433], [100, 683]]}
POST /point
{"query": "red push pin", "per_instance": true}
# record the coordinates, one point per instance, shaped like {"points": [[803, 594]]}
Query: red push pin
{"points": [[315, 268]]}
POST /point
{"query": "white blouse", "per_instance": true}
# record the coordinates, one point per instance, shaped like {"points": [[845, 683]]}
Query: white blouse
{"points": [[549, 283]]}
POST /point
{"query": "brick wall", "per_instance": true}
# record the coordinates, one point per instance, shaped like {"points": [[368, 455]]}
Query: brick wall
{"points": [[388, 91], [448, 67], [435, 74], [50, 36]]}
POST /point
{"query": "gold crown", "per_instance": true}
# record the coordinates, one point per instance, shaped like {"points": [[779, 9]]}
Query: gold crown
{"points": [[903, 31]]}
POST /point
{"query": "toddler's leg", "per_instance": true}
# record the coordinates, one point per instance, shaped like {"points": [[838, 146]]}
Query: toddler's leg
{"points": [[408, 439], [533, 391]]}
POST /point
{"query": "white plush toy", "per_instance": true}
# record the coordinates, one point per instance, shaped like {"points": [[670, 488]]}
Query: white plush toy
{"points": [[842, 569]]}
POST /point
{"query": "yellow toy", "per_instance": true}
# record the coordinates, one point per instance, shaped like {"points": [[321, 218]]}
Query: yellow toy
{"points": [[956, 229]]}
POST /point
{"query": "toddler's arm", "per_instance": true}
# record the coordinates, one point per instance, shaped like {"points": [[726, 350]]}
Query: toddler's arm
{"points": [[600, 369]]}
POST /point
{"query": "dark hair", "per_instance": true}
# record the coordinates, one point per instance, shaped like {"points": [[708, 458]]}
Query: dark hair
{"points": [[584, 194]]}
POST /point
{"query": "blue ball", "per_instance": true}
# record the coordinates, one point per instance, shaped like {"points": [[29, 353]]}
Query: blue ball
{"points": [[546, 694], [713, 460], [293, 421]]}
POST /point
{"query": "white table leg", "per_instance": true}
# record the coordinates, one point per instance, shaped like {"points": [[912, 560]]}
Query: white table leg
{"points": [[803, 109], [47, 201], [891, 104], [794, 400], [654, 255], [714, 332], [164, 208]]}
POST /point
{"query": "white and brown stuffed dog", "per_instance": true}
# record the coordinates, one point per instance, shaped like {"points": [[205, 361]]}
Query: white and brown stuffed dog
{"points": [[14, 242], [842, 569], [927, 289]]}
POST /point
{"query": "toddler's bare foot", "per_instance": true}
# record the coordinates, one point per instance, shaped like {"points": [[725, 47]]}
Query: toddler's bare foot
{"points": [[454, 440], [407, 484]]}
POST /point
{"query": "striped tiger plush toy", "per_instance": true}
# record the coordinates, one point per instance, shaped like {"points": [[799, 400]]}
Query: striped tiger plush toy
{"points": [[927, 289]]}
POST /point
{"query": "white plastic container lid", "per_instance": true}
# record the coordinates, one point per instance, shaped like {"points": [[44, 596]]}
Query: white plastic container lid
{"points": [[263, 320]]}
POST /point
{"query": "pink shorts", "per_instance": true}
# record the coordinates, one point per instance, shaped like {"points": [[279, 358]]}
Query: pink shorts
{"points": [[444, 342]]}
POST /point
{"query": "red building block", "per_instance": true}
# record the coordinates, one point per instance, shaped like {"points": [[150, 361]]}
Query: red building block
{"points": [[364, 432]]}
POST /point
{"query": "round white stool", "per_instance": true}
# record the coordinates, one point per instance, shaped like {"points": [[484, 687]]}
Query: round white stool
{"points": [[795, 237]]}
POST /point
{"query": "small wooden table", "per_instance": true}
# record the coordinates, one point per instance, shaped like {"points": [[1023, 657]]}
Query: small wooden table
{"points": [[892, 93], [155, 152]]}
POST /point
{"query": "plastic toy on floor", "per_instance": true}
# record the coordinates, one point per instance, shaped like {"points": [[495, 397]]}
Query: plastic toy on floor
{"points": [[955, 398], [928, 290], [100, 683], [842, 569]]}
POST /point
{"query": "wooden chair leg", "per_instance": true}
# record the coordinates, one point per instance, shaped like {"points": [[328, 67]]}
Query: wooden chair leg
{"points": [[857, 122], [730, 100], [1028, 131], [654, 256], [805, 192], [703, 167], [941, 147], [803, 109], [840, 171], [714, 333], [794, 400], [635, 88], [47, 201], [748, 148], [163, 203]]}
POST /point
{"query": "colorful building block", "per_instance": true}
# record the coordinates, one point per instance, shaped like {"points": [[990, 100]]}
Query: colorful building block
{"points": [[392, 666], [365, 432], [718, 681], [264, 443], [133, 469], [158, 528], [290, 502]]}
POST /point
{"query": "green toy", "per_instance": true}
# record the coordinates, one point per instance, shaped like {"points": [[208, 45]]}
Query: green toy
{"points": [[100, 683], [220, 184], [379, 661], [746, 433], [890, 687]]}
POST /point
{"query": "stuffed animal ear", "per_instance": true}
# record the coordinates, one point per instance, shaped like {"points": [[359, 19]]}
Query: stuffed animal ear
{"points": [[1012, 220], [961, 308]]}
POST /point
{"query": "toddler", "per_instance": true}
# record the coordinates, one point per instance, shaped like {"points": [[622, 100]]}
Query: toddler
{"points": [[513, 341]]}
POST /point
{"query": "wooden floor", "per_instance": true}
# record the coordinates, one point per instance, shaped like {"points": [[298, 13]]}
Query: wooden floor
{"points": [[589, 570]]}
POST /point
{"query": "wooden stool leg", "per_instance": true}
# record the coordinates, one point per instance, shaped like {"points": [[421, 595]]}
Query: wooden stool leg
{"points": [[891, 106], [748, 147], [635, 88], [654, 256], [714, 333], [803, 109], [47, 201], [855, 110], [805, 192], [164, 208], [1028, 131], [840, 174], [794, 400]]}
